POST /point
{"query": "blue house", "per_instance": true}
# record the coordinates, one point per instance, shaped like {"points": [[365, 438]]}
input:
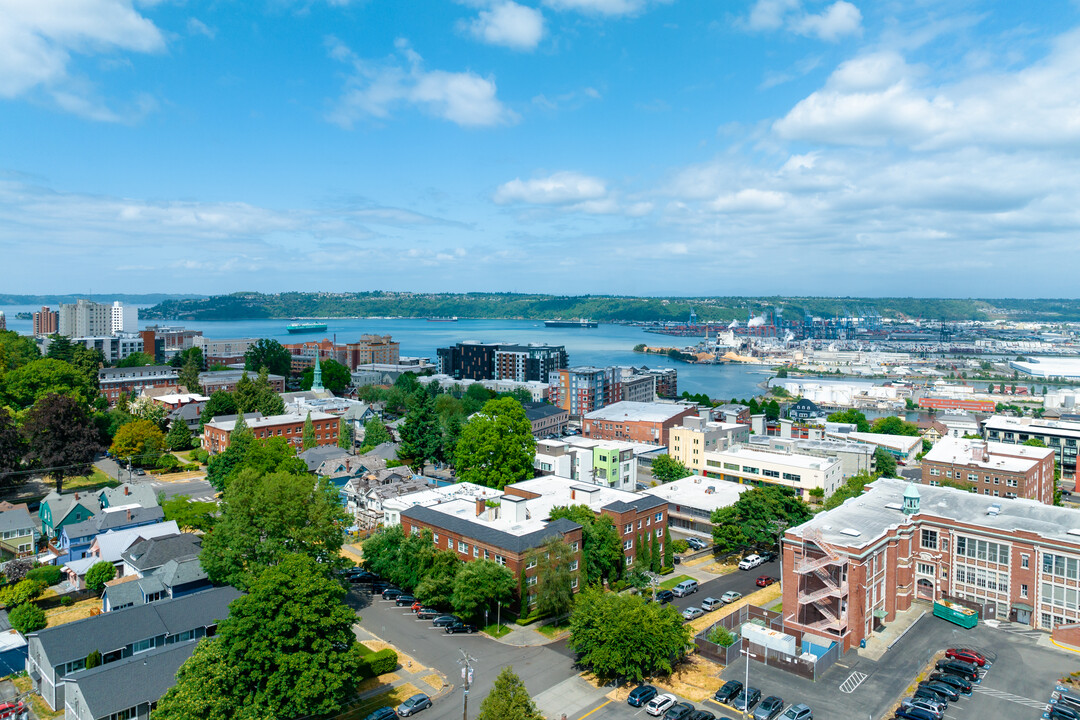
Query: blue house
{"points": [[75, 539]]}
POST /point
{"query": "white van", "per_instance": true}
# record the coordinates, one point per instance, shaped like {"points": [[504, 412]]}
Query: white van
{"points": [[750, 562], [685, 588]]}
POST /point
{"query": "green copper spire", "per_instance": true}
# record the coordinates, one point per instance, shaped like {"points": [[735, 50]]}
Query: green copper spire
{"points": [[316, 383]]}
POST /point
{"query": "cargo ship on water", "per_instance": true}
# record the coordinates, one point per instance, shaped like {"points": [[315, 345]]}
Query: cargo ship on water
{"points": [[298, 328], [582, 323], [442, 319]]}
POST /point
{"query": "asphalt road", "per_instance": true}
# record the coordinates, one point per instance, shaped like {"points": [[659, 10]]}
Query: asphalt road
{"points": [[742, 581], [539, 667]]}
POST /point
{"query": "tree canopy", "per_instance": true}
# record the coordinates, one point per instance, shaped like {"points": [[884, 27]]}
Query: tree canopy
{"points": [[884, 462], [750, 521], [667, 469], [852, 416], [335, 376], [12, 450], [266, 516], [602, 550], [893, 425], [554, 578], [269, 354], [496, 447], [100, 573], [139, 442], [220, 403], [622, 636], [60, 437], [27, 384], [375, 433], [479, 585], [421, 434], [508, 700], [190, 514], [286, 650], [16, 350]]}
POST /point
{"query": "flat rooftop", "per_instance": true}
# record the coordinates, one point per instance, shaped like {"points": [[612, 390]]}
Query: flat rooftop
{"points": [[434, 496], [862, 520], [272, 421], [627, 411], [698, 491], [1049, 366], [557, 491], [1061, 428], [903, 443], [797, 460], [1002, 456]]}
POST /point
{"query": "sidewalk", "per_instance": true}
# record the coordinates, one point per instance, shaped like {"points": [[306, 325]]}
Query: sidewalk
{"points": [[569, 698], [523, 637], [878, 643]]}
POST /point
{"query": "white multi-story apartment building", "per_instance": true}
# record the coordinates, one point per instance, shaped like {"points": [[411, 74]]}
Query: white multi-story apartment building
{"points": [[689, 443], [800, 472]]}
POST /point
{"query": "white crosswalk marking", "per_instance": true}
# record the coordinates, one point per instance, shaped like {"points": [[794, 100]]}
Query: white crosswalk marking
{"points": [[853, 681], [1002, 695]]}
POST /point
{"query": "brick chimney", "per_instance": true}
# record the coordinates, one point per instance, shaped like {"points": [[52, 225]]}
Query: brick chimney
{"points": [[129, 514], [127, 490], [76, 497], [480, 505]]}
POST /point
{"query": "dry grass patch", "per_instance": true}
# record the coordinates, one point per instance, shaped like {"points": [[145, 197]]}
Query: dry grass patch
{"points": [[694, 679], [723, 568], [392, 698], [81, 610], [352, 552], [435, 681], [372, 683], [23, 684], [404, 661]]}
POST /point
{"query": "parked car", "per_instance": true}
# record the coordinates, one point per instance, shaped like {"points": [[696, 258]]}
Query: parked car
{"points": [[697, 543], [415, 607], [641, 695], [14, 711], [798, 712], [915, 713], [925, 693], [686, 587], [765, 581], [926, 704], [679, 711], [1063, 711], [692, 612], [404, 600], [967, 655], [377, 586], [664, 596], [710, 603], [702, 715], [767, 556], [426, 613], [948, 691], [750, 562], [730, 596], [727, 691], [460, 627], [444, 620], [383, 713], [769, 708], [390, 593], [413, 705], [747, 699], [958, 667], [961, 684], [659, 704]]}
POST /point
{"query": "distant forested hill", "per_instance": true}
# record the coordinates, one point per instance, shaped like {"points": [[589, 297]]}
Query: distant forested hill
{"points": [[148, 299], [248, 305]]}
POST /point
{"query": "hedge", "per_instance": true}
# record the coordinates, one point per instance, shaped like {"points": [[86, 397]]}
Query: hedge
{"points": [[48, 574], [379, 663]]}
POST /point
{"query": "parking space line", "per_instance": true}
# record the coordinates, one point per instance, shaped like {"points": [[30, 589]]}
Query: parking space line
{"points": [[595, 709], [854, 680], [1019, 700]]}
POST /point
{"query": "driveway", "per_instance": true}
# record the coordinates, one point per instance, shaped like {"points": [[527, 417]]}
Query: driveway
{"points": [[541, 668], [741, 581]]}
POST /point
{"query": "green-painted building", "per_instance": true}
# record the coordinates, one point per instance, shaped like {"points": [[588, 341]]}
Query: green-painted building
{"points": [[58, 511]]}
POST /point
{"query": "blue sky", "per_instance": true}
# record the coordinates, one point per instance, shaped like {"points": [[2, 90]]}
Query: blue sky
{"points": [[681, 147]]}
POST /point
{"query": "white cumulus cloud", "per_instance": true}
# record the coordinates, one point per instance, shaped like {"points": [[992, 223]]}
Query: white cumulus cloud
{"points": [[509, 24], [599, 7], [374, 89], [838, 20], [557, 189]]}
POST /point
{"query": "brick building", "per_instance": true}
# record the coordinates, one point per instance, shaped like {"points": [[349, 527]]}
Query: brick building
{"points": [[213, 380], [372, 349], [162, 342], [581, 390], [291, 427], [46, 322], [636, 421], [945, 403], [116, 382], [223, 352], [507, 528], [1061, 436], [852, 567], [992, 468]]}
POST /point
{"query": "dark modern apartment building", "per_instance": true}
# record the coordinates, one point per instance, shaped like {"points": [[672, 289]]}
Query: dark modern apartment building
{"points": [[501, 361]]}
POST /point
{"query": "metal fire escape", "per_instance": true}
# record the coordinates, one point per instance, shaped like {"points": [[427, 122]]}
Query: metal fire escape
{"points": [[823, 586]]}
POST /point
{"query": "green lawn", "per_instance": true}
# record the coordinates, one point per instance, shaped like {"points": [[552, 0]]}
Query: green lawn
{"points": [[391, 698], [672, 582], [496, 631], [553, 631]]}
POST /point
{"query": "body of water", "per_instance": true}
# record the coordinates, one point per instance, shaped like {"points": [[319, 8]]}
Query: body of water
{"points": [[601, 346]]}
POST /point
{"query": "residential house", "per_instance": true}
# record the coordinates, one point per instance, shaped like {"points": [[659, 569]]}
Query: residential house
{"points": [[57, 655], [109, 547], [18, 535], [144, 558], [692, 500], [76, 538], [546, 419], [190, 415], [364, 496], [58, 510], [176, 578], [128, 494], [805, 410], [932, 430], [128, 688]]}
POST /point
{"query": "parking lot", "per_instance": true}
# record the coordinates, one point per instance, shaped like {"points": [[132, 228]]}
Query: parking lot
{"points": [[1017, 685], [741, 581]]}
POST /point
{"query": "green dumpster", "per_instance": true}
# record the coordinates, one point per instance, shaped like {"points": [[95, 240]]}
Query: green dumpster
{"points": [[962, 616]]}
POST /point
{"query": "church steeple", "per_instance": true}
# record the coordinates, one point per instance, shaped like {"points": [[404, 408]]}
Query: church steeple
{"points": [[316, 382]]}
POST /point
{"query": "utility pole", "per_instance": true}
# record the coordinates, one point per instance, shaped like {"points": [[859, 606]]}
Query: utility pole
{"points": [[466, 662]]}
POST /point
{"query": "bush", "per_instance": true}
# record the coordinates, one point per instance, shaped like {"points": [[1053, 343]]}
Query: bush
{"points": [[667, 570], [168, 463], [379, 663], [186, 467], [27, 618], [67, 601], [16, 570], [201, 455], [48, 574], [530, 618], [99, 574], [721, 636], [680, 546], [22, 592]]}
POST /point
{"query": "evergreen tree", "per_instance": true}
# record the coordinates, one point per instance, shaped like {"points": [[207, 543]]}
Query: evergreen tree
{"points": [[245, 394], [508, 700], [523, 595], [421, 435], [654, 552], [669, 550], [641, 554], [220, 403], [179, 437], [345, 435], [309, 433], [375, 433], [60, 348], [267, 401], [189, 375]]}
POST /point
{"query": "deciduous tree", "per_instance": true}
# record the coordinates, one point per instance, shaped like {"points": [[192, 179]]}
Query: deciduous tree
{"points": [[269, 354], [667, 469], [265, 517], [508, 700], [884, 462], [335, 376], [136, 359], [27, 618], [100, 573], [24, 386], [437, 585], [602, 551], [893, 425], [190, 514], [554, 592], [16, 350], [375, 433], [139, 443], [749, 521], [853, 417], [60, 437], [179, 436], [496, 447], [479, 585], [286, 650], [12, 450]]}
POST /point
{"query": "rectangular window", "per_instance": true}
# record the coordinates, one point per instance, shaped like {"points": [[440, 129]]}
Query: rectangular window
{"points": [[573, 566], [573, 584], [926, 568], [929, 539], [793, 477], [574, 546], [450, 543], [462, 547], [531, 564], [934, 471], [628, 545], [659, 517], [731, 466], [434, 537], [629, 528], [531, 580], [770, 473], [475, 551]]}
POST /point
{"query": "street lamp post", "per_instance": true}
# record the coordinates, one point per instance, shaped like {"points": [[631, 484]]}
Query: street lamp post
{"points": [[746, 685], [466, 662]]}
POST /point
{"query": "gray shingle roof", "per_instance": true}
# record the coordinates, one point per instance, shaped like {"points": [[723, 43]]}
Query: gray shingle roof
{"points": [[17, 519], [539, 412], [61, 505], [316, 456], [647, 502], [128, 494], [115, 519], [487, 535], [141, 678], [181, 572], [133, 592], [110, 631], [155, 552]]}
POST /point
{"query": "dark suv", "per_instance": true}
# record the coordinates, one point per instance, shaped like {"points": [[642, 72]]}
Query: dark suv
{"points": [[664, 596], [957, 667], [728, 691], [641, 695]]}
